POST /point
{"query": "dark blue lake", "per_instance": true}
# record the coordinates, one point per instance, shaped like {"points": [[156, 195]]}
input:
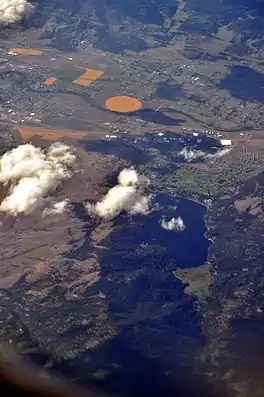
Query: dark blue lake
{"points": [[159, 326]]}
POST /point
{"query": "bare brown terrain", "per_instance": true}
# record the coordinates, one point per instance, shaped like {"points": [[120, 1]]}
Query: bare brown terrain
{"points": [[254, 143], [250, 204], [55, 253], [33, 245]]}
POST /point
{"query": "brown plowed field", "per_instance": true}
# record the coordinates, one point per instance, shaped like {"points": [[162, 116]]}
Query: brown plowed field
{"points": [[83, 82], [50, 81], [49, 134], [88, 77], [123, 104], [25, 51]]}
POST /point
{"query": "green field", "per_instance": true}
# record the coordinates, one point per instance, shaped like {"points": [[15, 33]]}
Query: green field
{"points": [[197, 280]]}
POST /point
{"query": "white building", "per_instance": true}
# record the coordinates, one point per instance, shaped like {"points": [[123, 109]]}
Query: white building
{"points": [[226, 142]]}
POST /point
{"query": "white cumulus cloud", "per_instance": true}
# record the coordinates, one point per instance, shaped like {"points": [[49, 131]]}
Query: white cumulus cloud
{"points": [[57, 208], [12, 11], [216, 155], [193, 154], [126, 196], [173, 224], [31, 174], [128, 177]]}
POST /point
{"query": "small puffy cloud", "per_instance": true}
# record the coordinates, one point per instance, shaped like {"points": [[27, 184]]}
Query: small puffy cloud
{"points": [[193, 154], [216, 155], [141, 206], [12, 11], [176, 224], [57, 208], [31, 174], [118, 199], [126, 196]]}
